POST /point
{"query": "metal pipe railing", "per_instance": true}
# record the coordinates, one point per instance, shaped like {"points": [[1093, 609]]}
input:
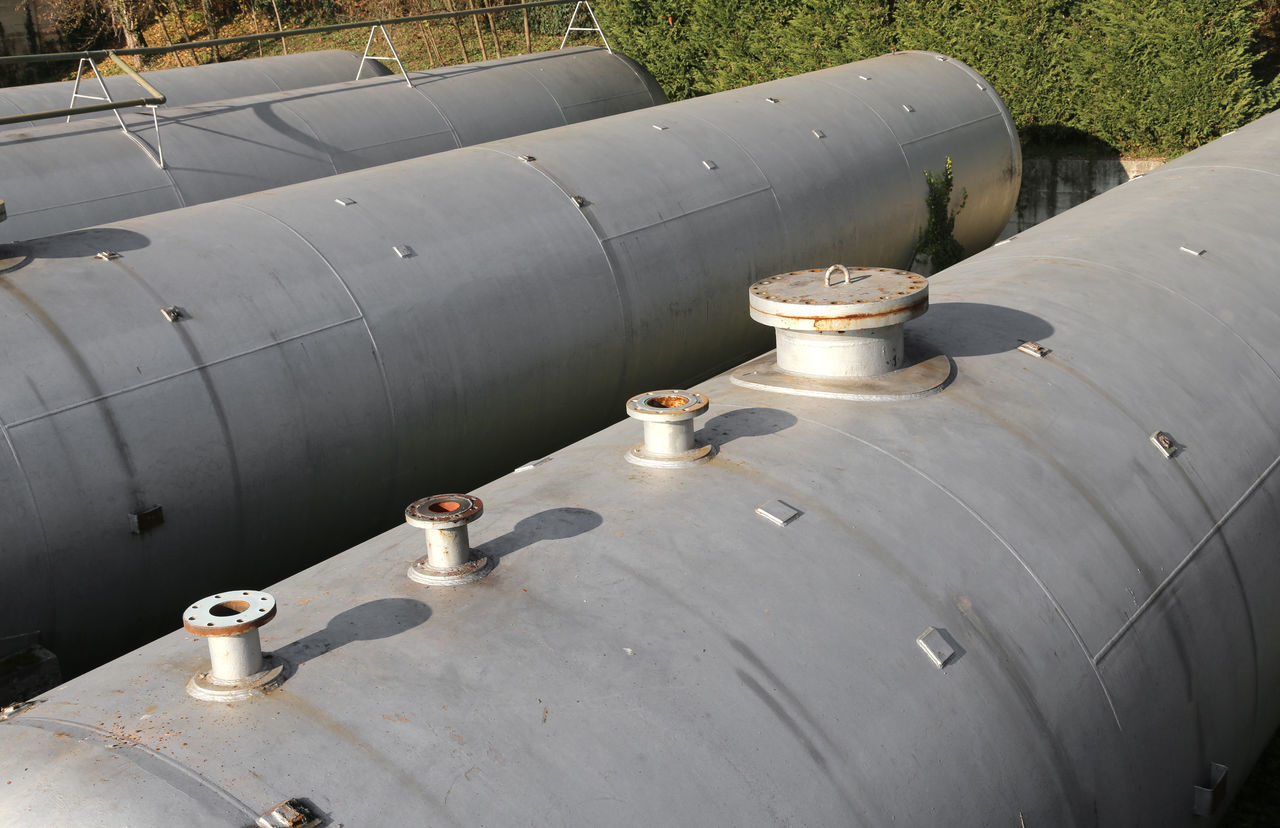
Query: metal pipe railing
{"points": [[154, 97], [227, 41]]}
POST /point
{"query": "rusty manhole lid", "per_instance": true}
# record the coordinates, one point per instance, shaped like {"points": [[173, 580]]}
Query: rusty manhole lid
{"points": [[839, 298]]}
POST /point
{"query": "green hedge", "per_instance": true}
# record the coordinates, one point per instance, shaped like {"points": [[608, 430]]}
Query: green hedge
{"points": [[1148, 77]]}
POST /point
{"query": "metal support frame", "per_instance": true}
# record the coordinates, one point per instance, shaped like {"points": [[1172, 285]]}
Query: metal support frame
{"points": [[378, 27], [255, 38], [158, 155], [594, 27]]}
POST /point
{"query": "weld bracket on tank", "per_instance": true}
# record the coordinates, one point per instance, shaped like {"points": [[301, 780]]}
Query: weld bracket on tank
{"points": [[292, 813], [936, 646], [1207, 800], [10, 710], [777, 512], [1164, 441]]}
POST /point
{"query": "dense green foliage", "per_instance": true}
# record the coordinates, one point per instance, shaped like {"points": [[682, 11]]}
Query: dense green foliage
{"points": [[1173, 75], [1143, 76]]}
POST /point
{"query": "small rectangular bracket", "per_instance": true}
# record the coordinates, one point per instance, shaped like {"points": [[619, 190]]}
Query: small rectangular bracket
{"points": [[1194, 251], [345, 202], [1207, 800], [404, 251], [817, 133], [145, 520], [777, 512], [711, 165], [174, 313], [1034, 349], [1165, 442], [936, 647], [292, 813], [908, 108]]}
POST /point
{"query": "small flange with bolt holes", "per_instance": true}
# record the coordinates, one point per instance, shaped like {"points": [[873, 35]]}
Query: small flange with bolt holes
{"points": [[671, 407]]}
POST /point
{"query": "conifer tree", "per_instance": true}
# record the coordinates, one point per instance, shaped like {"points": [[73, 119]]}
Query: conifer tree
{"points": [[1163, 76]]}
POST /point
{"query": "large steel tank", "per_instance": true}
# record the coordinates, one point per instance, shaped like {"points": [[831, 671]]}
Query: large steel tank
{"points": [[1039, 595], [238, 389], [195, 84], [231, 147]]}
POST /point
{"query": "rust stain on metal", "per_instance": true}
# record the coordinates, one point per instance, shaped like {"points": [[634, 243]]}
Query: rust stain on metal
{"points": [[837, 323]]}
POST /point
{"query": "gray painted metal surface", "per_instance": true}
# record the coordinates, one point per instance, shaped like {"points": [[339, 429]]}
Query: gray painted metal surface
{"points": [[651, 650], [197, 84], [229, 148], [341, 345]]}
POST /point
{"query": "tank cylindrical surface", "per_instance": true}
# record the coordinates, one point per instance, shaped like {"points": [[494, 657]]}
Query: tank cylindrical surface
{"points": [[998, 604], [196, 84], [232, 147], [250, 385]]}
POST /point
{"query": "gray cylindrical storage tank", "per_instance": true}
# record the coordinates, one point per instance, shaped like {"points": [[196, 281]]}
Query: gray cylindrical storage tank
{"points": [[197, 84], [229, 148], [252, 384], [999, 604]]}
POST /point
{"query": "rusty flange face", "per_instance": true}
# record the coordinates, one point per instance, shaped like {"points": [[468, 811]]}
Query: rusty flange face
{"points": [[443, 511], [669, 406], [229, 613], [810, 300]]}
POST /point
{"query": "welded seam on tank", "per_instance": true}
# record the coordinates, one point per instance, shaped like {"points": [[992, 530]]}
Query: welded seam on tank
{"points": [[767, 188], [768, 185], [193, 369], [624, 302], [635, 69], [559, 106], [153, 155], [457, 140], [901, 145], [951, 128], [167, 769], [377, 352], [1001, 109], [63, 206], [1215, 167], [319, 143], [1164, 585], [46, 562], [1159, 588], [1138, 276], [1044, 588]]}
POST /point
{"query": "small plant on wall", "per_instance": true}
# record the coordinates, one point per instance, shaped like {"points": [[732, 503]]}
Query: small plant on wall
{"points": [[937, 243]]}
